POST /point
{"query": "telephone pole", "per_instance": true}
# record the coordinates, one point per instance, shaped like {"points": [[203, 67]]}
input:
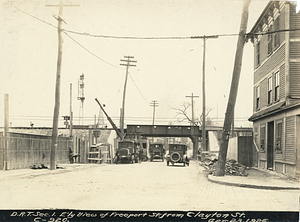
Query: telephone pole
{"points": [[127, 64], [203, 147], [57, 87], [193, 116], [229, 115], [6, 131], [154, 103]]}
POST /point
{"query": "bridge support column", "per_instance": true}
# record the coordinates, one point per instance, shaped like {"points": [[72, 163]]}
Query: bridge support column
{"points": [[195, 140]]}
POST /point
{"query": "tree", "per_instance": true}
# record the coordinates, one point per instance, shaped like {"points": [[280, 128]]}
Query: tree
{"points": [[182, 115]]}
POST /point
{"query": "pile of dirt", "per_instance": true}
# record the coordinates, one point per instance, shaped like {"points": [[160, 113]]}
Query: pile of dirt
{"points": [[232, 167]]}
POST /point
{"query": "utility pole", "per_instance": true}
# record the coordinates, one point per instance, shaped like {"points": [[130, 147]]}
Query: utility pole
{"points": [[127, 64], [154, 103], [6, 130], [203, 147], [193, 116], [71, 112], [57, 88], [233, 90]]}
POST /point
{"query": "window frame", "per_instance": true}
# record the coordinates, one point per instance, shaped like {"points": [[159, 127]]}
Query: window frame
{"points": [[277, 86], [270, 88], [270, 41], [262, 138], [257, 96], [276, 34], [278, 136], [258, 53]]}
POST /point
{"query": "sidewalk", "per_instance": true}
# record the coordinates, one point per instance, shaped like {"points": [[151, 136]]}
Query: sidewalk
{"points": [[62, 168], [259, 179]]}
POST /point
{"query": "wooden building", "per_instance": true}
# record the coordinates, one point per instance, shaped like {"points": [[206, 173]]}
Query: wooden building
{"points": [[276, 88]]}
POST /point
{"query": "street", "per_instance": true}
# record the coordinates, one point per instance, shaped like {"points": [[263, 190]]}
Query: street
{"points": [[145, 186]]}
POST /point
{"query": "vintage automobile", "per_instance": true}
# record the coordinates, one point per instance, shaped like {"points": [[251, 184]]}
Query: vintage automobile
{"points": [[177, 154], [127, 152], [156, 151]]}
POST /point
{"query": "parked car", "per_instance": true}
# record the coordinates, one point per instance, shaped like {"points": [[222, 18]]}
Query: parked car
{"points": [[157, 151], [177, 154]]}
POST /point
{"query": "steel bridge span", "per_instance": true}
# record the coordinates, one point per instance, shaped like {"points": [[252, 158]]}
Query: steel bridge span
{"points": [[193, 132]]}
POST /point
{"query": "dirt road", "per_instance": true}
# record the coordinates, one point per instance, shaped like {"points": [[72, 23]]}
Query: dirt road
{"points": [[145, 186]]}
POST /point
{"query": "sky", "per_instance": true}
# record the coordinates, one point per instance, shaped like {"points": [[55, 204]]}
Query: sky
{"points": [[167, 70]]}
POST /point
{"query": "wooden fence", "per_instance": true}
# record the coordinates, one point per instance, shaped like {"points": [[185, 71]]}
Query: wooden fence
{"points": [[25, 150]]}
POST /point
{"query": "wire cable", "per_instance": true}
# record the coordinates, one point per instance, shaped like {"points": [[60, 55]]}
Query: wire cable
{"points": [[91, 52], [155, 38], [138, 88]]}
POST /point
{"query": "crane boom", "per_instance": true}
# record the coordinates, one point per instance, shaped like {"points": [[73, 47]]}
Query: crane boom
{"points": [[110, 120]]}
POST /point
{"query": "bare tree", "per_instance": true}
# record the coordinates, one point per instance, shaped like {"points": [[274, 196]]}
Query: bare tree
{"points": [[182, 115]]}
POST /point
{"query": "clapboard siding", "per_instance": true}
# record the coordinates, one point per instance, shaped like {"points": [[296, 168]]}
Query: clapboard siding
{"points": [[295, 79], [264, 93], [281, 82], [290, 142], [274, 61], [294, 21], [263, 46], [294, 49]]}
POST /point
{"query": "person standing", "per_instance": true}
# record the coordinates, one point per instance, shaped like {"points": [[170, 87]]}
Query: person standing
{"points": [[140, 154]]}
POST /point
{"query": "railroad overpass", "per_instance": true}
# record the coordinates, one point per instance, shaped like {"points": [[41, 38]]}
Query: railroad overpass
{"points": [[193, 132]]}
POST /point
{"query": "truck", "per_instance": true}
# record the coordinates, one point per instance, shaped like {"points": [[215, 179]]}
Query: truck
{"points": [[156, 151], [127, 152]]}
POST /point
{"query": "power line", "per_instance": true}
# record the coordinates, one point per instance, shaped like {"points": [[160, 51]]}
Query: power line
{"points": [[156, 38], [138, 88], [36, 18], [91, 52]]}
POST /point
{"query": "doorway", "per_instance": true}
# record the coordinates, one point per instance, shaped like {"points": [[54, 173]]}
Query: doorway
{"points": [[270, 145]]}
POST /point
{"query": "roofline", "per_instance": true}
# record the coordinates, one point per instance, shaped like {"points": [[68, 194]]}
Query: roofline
{"points": [[261, 16], [279, 110]]}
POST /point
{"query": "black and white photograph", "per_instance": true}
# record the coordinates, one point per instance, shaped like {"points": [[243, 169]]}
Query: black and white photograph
{"points": [[149, 110]]}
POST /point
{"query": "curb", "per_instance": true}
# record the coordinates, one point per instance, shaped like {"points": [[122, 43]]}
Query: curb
{"points": [[255, 186]]}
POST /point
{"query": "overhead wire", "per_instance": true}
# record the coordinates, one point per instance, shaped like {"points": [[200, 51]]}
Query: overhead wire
{"points": [[90, 51], [154, 38], [138, 88]]}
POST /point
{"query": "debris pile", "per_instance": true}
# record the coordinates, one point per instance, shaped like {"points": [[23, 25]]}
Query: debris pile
{"points": [[37, 167], [232, 167]]}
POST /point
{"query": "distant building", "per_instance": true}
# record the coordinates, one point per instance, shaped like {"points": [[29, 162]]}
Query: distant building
{"points": [[276, 88]]}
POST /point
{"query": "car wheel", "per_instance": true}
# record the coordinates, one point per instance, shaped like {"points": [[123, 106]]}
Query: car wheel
{"points": [[184, 164], [167, 163]]}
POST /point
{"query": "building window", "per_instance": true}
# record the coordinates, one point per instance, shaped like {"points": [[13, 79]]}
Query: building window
{"points": [[276, 34], [258, 53], [262, 138], [270, 41], [278, 137], [257, 97], [270, 90], [277, 86]]}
